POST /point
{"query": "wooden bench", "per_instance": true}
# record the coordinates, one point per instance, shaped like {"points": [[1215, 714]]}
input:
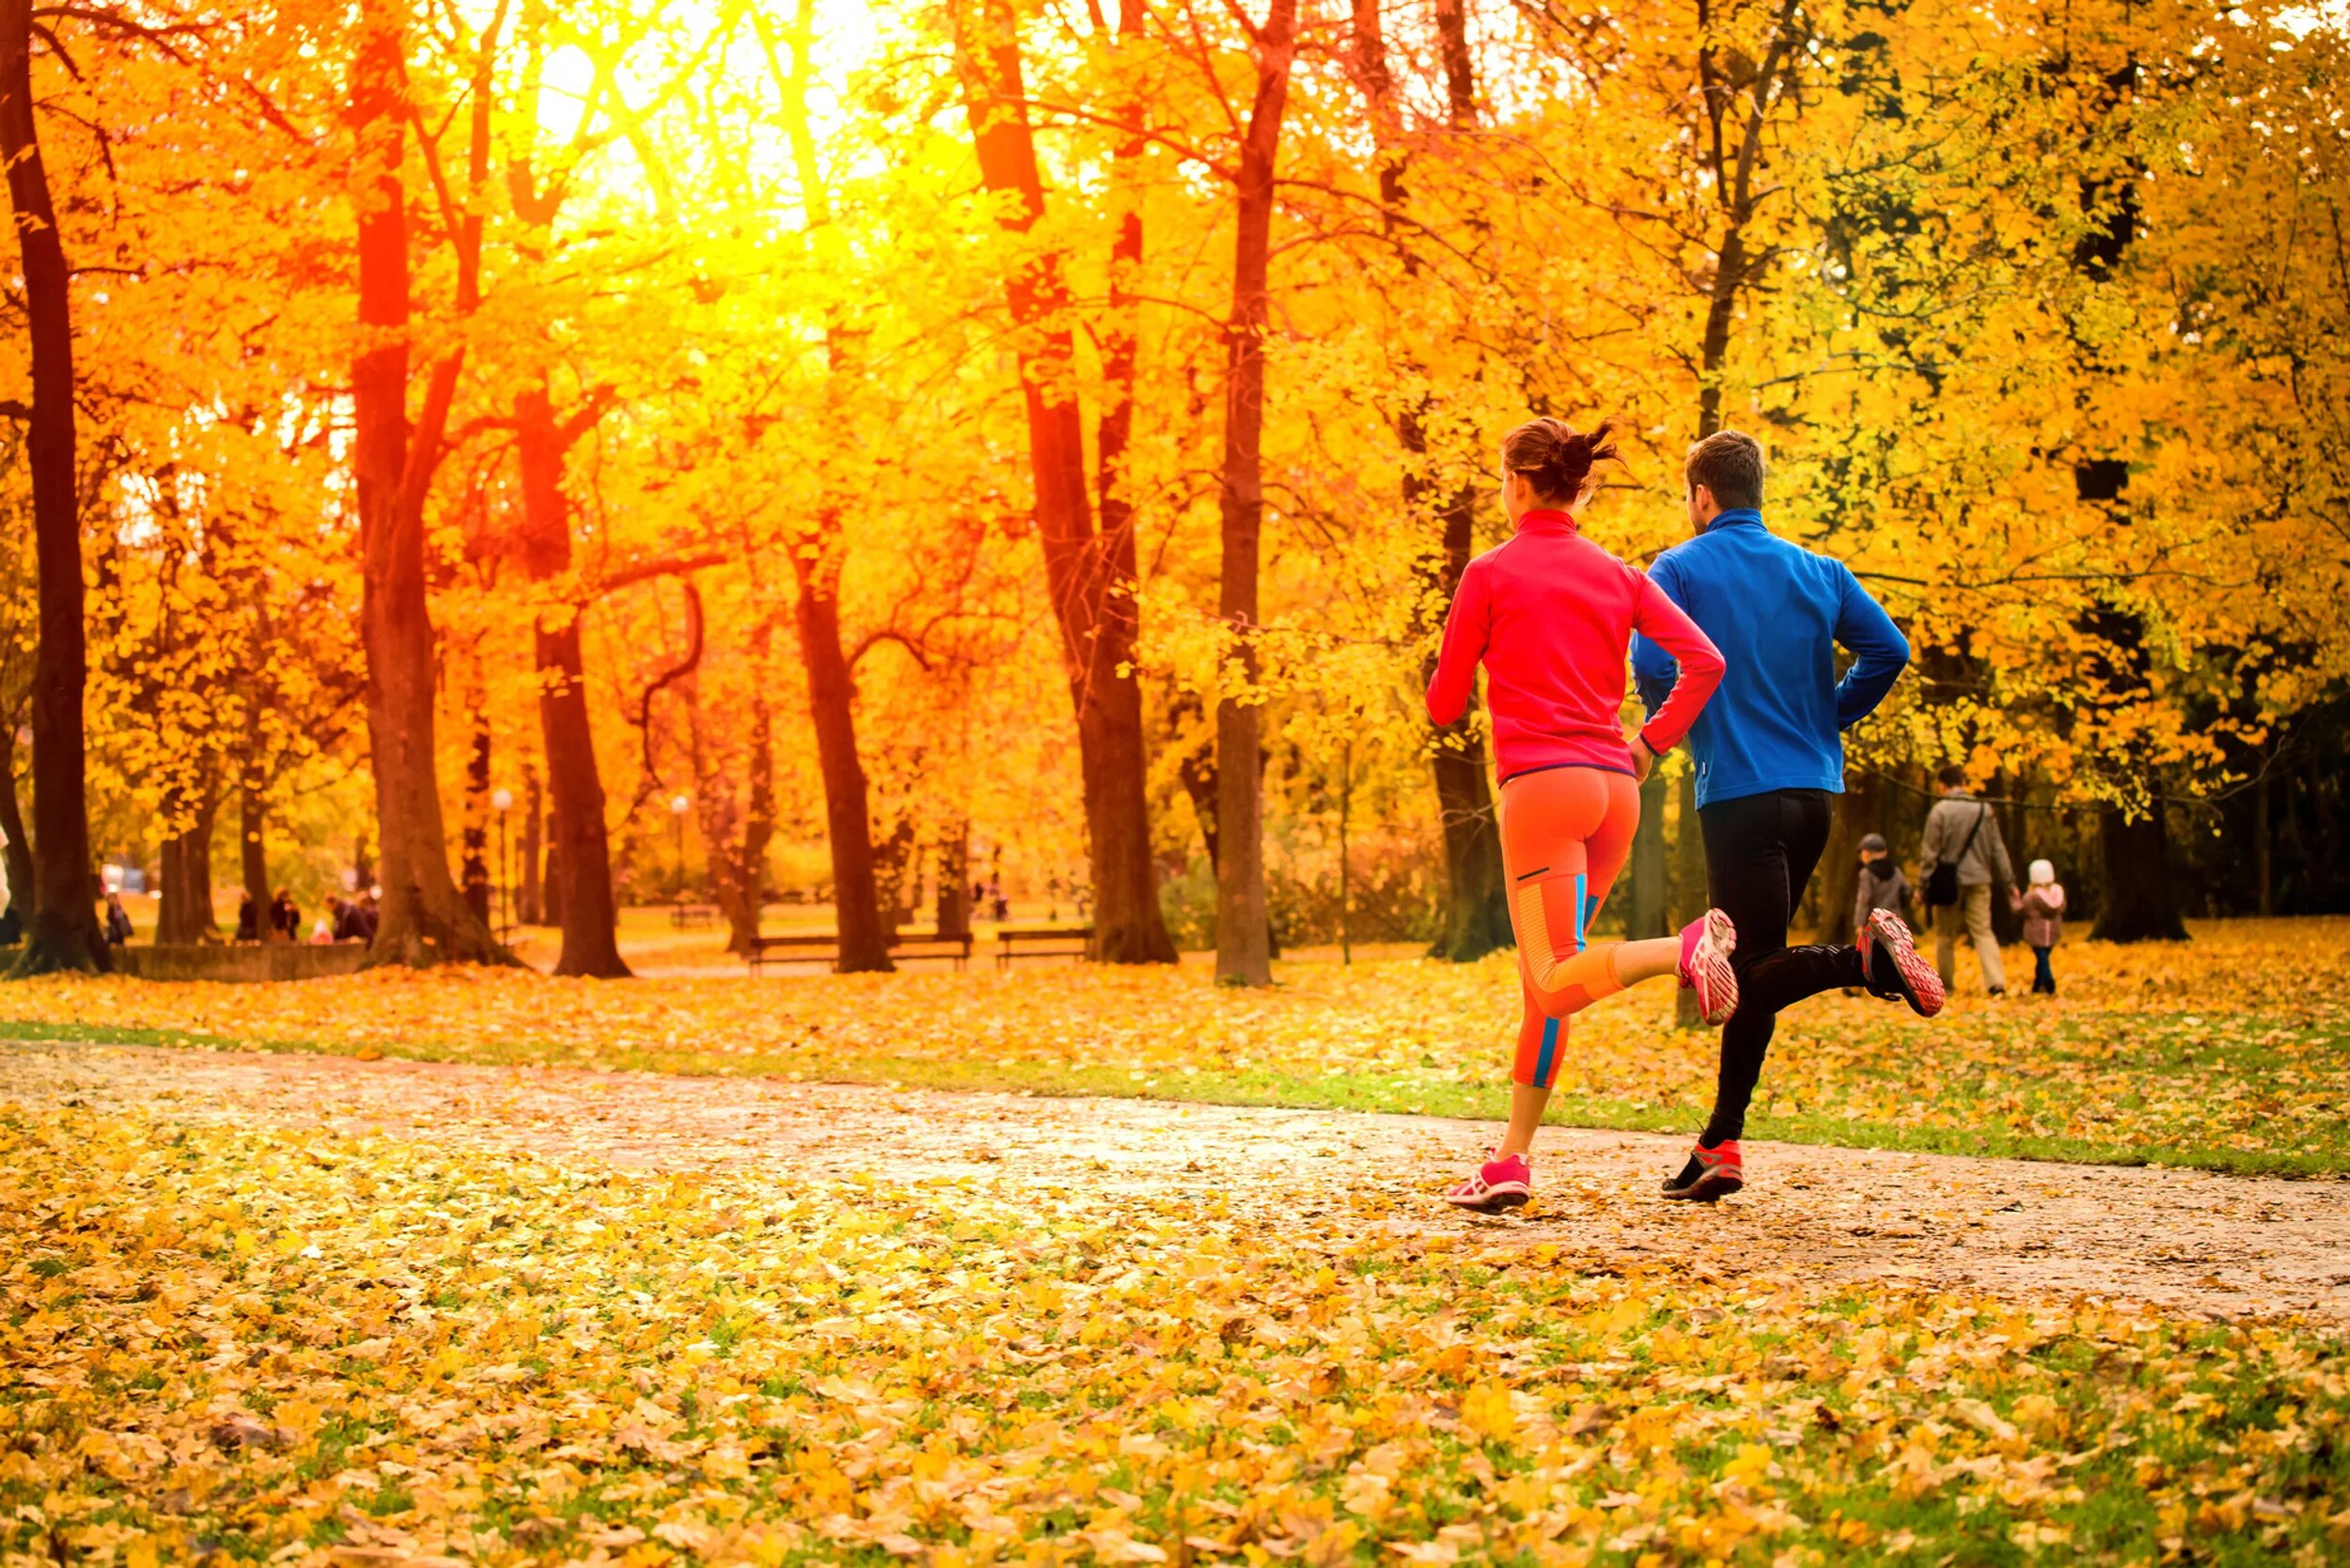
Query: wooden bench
{"points": [[685, 915], [1040, 942], [825, 946]]}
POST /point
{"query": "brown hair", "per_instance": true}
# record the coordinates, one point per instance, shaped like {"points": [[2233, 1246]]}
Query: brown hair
{"points": [[1729, 463], [1952, 776], [1556, 456]]}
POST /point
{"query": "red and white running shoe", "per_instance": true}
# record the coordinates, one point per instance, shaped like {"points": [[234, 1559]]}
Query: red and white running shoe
{"points": [[1706, 944], [1711, 1173], [1501, 1182], [1894, 966]]}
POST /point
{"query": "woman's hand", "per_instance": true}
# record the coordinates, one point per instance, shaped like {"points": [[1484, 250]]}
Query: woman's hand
{"points": [[1643, 760]]}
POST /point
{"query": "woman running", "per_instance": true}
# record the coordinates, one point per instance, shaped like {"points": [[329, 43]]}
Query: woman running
{"points": [[1550, 615]]}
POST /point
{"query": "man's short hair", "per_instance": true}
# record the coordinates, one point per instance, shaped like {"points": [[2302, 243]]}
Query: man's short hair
{"points": [[1729, 463], [1952, 776]]}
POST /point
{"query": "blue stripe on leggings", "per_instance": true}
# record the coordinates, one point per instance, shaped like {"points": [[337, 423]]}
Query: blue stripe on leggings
{"points": [[1582, 912], [1550, 1048]]}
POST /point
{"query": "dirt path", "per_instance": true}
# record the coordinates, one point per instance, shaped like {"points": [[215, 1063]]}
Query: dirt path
{"points": [[2190, 1241]]}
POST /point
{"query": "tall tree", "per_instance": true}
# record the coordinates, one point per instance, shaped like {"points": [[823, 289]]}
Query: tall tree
{"points": [[581, 842], [1476, 912], [1089, 574], [1243, 953], [817, 558], [63, 932], [424, 915]]}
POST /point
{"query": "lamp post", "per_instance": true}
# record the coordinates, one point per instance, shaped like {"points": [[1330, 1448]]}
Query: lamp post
{"points": [[679, 806], [503, 800]]}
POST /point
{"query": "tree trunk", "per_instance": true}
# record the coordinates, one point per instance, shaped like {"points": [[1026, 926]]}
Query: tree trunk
{"points": [[2140, 905], [553, 893], [185, 913], [738, 865], [1859, 811], [423, 915], [474, 868], [1242, 951], [590, 913], [856, 904], [2264, 859], [18, 848], [63, 932], [1477, 915], [954, 882], [252, 854], [895, 878], [1649, 914], [527, 910], [1690, 894], [1089, 575]]}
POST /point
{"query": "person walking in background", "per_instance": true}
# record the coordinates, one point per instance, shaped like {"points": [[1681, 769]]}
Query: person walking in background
{"points": [[1880, 885], [1548, 614], [118, 922], [1962, 859], [2041, 905], [285, 917], [1770, 755], [249, 918]]}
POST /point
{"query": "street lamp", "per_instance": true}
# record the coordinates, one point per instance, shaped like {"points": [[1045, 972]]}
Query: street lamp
{"points": [[504, 801], [679, 806]]}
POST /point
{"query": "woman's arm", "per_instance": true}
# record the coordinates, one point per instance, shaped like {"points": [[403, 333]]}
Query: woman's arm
{"points": [[1664, 623], [1465, 630]]}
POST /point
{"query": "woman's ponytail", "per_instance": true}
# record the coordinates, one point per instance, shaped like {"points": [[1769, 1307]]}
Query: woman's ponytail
{"points": [[1556, 456]]}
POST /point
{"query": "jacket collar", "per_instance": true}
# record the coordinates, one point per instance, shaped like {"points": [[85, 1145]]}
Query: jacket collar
{"points": [[1736, 517], [1548, 520]]}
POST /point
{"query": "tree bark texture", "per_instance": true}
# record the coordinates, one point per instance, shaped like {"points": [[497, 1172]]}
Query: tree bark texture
{"points": [[19, 849], [2140, 904], [1089, 575], [590, 913], [1242, 951], [831, 698], [423, 917], [63, 932]]}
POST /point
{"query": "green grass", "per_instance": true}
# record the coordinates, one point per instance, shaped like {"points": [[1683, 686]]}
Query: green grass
{"points": [[2165, 1051]]}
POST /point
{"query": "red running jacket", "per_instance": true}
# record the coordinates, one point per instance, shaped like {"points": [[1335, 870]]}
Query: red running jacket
{"points": [[1551, 615]]}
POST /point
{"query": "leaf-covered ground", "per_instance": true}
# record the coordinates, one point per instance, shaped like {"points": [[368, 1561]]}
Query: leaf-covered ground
{"points": [[271, 1343], [2231, 1052]]}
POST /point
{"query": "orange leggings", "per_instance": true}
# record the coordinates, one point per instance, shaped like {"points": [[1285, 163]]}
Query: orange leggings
{"points": [[1565, 833]]}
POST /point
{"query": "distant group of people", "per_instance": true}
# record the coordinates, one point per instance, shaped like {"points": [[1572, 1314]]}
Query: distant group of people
{"points": [[1962, 860], [351, 919]]}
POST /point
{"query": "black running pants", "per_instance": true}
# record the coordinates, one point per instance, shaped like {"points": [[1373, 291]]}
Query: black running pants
{"points": [[1760, 853]]}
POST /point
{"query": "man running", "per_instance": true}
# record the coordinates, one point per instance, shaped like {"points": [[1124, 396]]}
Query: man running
{"points": [[1770, 752]]}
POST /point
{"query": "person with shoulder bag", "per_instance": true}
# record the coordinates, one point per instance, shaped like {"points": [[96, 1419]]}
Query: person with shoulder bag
{"points": [[1962, 858]]}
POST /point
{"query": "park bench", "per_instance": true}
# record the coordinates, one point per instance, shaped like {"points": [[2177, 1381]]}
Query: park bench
{"points": [[824, 946], [684, 915], [1040, 942]]}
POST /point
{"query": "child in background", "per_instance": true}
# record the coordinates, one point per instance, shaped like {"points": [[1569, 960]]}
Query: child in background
{"points": [[2041, 905], [1881, 884]]}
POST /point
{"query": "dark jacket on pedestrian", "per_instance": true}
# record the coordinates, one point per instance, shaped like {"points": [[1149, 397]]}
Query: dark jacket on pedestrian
{"points": [[1881, 885]]}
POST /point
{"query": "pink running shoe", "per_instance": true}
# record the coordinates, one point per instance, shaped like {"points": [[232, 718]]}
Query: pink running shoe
{"points": [[1711, 1173], [1706, 944], [1894, 966], [1501, 1182]]}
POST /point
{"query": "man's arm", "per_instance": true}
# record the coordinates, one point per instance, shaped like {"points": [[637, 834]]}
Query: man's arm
{"points": [[1654, 670], [1879, 651]]}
